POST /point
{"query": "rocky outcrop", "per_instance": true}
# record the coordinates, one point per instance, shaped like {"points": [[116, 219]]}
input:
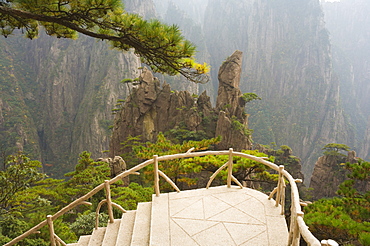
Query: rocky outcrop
{"points": [[152, 108], [117, 165], [232, 123], [284, 156], [292, 164], [229, 95], [328, 174]]}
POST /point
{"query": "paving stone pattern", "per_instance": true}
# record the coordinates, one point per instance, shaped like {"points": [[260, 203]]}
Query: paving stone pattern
{"points": [[215, 216], [219, 216]]}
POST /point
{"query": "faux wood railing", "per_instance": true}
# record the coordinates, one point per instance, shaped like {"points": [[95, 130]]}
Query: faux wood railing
{"points": [[297, 229]]}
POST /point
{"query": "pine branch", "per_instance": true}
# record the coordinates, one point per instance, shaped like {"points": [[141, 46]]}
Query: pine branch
{"points": [[160, 46]]}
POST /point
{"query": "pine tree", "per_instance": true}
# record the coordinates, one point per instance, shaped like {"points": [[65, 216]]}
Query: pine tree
{"points": [[19, 176], [26, 197], [177, 170]]}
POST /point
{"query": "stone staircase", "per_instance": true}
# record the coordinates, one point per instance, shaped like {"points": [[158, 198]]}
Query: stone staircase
{"points": [[215, 216], [132, 229]]}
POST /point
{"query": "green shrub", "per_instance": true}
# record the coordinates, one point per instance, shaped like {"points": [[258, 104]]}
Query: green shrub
{"points": [[85, 223]]}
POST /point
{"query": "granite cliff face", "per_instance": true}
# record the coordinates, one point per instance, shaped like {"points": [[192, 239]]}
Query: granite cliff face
{"points": [[69, 94], [57, 95], [17, 131], [192, 9], [141, 7], [347, 22], [152, 108], [288, 63]]}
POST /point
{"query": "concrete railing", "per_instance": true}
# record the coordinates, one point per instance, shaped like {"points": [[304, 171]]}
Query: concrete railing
{"points": [[297, 229]]}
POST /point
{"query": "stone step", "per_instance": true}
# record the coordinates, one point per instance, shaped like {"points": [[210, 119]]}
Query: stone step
{"points": [[84, 240], [160, 227], [97, 237], [126, 227], [141, 231], [110, 236]]}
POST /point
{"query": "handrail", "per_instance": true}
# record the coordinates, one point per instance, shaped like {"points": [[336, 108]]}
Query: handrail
{"points": [[297, 225]]}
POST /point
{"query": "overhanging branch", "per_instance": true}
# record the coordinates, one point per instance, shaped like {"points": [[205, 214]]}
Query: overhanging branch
{"points": [[159, 56]]}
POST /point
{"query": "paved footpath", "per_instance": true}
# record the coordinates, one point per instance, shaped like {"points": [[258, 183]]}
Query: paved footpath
{"points": [[219, 216]]}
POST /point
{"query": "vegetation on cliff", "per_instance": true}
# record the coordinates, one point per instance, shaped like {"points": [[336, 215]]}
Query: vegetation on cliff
{"points": [[334, 148], [345, 218]]}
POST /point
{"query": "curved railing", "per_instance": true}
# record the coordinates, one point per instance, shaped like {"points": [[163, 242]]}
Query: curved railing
{"points": [[297, 229]]}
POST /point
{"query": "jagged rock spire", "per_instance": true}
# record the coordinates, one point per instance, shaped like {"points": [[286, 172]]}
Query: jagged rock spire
{"points": [[229, 94], [232, 123]]}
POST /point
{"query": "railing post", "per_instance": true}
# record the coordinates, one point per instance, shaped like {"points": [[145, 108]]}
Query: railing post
{"points": [[296, 237], [156, 175], [229, 168], [291, 228], [109, 201], [280, 195], [51, 229]]}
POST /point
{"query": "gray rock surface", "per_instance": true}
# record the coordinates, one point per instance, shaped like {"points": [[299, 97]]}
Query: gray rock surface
{"points": [[232, 123], [152, 108]]}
